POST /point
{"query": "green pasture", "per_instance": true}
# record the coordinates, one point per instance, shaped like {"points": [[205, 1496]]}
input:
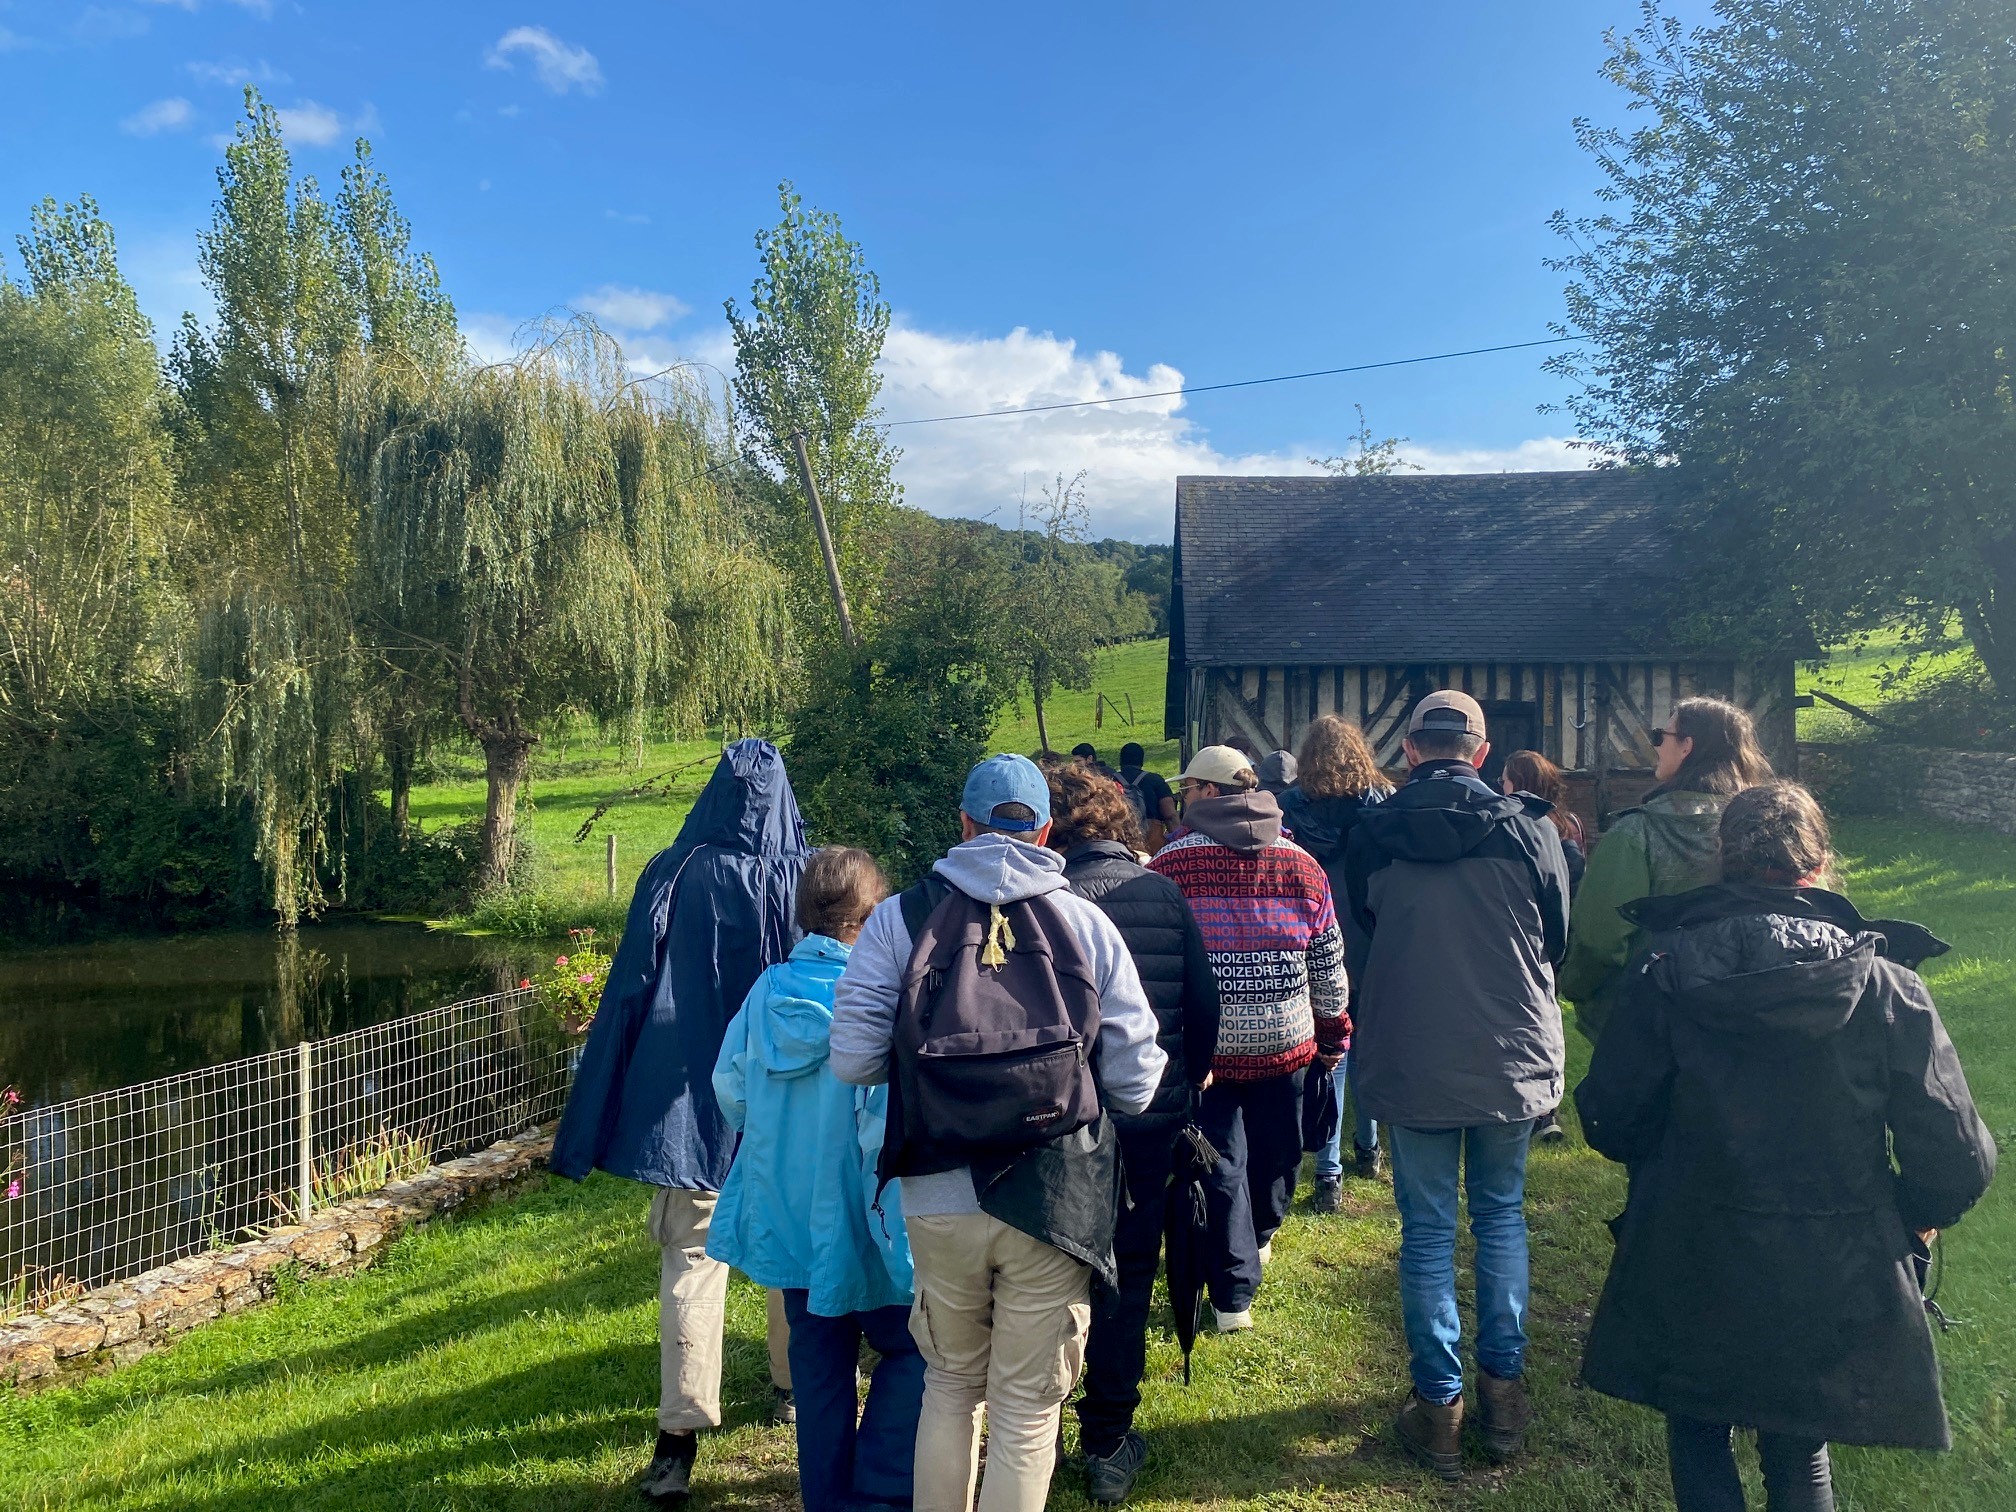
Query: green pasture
{"points": [[508, 1360]]}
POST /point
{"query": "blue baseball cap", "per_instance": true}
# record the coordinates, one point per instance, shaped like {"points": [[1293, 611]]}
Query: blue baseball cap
{"points": [[1006, 779]]}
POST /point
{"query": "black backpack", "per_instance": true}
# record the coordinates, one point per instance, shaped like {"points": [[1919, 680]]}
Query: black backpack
{"points": [[1130, 789], [997, 1025]]}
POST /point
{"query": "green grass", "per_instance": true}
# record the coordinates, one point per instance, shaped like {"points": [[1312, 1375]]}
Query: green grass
{"points": [[508, 1360], [568, 781], [1862, 674]]}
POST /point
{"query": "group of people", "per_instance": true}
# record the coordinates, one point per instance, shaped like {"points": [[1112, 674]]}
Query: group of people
{"points": [[950, 1121]]}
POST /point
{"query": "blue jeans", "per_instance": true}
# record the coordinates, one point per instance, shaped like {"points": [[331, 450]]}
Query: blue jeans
{"points": [[1364, 1132], [840, 1464], [1425, 1163]]}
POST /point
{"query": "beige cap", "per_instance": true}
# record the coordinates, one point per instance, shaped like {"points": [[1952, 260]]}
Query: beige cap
{"points": [[1448, 710], [1219, 765]]}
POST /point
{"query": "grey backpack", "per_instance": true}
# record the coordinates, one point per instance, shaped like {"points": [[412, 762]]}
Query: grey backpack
{"points": [[997, 1025]]}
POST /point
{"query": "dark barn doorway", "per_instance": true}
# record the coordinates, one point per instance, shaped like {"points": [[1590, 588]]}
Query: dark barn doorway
{"points": [[1511, 727]]}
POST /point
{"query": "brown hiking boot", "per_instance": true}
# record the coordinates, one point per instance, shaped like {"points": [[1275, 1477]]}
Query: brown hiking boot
{"points": [[1504, 1412], [1433, 1434]]}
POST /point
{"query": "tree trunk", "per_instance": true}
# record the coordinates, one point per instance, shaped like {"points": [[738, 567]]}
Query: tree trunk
{"points": [[399, 761], [506, 754], [1042, 730], [1991, 626]]}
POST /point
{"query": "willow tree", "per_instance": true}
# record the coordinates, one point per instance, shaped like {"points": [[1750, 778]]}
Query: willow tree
{"points": [[550, 543], [310, 297], [805, 365]]}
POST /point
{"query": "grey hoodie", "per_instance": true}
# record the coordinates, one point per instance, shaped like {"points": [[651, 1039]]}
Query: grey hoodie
{"points": [[993, 869]]}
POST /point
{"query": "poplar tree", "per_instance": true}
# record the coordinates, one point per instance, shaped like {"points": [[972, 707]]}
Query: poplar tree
{"points": [[312, 298], [805, 362]]}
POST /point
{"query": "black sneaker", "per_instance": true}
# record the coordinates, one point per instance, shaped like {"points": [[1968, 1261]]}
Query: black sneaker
{"points": [[1369, 1163], [1110, 1477], [1547, 1129], [669, 1481], [783, 1407], [1329, 1194]]}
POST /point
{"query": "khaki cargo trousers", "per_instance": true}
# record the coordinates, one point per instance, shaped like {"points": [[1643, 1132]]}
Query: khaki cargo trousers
{"points": [[1001, 1320], [692, 1304]]}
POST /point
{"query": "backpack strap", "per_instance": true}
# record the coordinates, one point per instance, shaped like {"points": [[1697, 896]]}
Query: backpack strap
{"points": [[920, 901]]}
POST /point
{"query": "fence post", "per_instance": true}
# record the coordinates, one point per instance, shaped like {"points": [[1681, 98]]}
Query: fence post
{"points": [[306, 1055], [612, 863]]}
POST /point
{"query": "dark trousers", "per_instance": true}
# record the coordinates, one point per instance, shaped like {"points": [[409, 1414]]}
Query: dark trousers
{"points": [[1116, 1353], [1256, 1128], [1797, 1476], [841, 1464]]}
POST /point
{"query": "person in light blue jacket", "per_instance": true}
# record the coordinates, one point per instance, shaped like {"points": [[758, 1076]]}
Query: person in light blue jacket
{"points": [[799, 1211]]}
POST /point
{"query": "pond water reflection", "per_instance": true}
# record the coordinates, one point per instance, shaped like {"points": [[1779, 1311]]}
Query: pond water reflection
{"points": [[76, 1019]]}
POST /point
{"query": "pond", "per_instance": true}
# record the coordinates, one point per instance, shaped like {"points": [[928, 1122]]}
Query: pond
{"points": [[76, 1019]]}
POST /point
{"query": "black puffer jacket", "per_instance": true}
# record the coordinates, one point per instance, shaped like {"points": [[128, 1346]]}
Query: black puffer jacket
{"points": [[1322, 827], [1768, 1057], [1168, 951]]}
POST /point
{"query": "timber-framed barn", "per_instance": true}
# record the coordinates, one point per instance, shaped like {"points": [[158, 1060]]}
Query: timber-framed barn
{"points": [[1540, 594]]}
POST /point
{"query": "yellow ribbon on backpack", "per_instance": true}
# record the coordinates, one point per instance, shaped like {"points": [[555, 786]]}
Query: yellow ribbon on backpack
{"points": [[1000, 938]]}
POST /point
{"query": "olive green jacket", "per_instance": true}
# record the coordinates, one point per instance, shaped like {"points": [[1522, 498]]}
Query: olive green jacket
{"points": [[1669, 845]]}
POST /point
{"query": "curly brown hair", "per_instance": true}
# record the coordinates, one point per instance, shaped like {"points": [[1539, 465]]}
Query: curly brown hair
{"points": [[1086, 806], [1337, 760], [1776, 834]]}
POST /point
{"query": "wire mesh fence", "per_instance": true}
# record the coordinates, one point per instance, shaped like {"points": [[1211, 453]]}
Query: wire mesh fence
{"points": [[106, 1186]]}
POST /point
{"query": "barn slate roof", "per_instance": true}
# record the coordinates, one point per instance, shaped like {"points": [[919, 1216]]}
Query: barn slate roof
{"points": [[1534, 567]]}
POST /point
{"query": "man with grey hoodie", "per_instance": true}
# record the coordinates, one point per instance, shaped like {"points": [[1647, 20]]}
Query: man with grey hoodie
{"points": [[1001, 1315]]}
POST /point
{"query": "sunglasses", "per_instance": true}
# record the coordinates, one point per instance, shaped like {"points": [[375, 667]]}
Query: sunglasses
{"points": [[1660, 737]]}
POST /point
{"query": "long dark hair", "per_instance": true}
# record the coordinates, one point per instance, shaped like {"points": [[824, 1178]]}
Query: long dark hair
{"points": [[1726, 758], [1530, 772]]}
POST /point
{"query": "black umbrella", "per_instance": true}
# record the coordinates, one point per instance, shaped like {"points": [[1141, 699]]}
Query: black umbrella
{"points": [[1186, 1233], [1319, 1107]]}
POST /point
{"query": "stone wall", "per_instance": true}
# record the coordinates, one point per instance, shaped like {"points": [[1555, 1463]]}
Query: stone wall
{"points": [[1975, 788], [128, 1319]]}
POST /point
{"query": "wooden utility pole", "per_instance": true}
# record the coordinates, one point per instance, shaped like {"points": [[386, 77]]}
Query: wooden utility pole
{"points": [[825, 542]]}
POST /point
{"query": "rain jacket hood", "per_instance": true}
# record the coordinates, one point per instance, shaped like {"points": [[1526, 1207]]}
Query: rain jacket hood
{"points": [[1244, 822], [1444, 813], [797, 1209], [709, 913], [996, 869], [1321, 826]]}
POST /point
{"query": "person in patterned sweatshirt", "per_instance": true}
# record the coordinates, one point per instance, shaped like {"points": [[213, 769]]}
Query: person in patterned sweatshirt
{"points": [[1270, 927]]}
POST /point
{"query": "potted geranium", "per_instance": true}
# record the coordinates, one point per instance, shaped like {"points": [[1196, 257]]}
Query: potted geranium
{"points": [[571, 988]]}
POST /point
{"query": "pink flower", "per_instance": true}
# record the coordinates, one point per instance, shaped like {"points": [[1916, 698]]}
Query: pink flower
{"points": [[587, 977], [13, 1189], [559, 960], [524, 981]]}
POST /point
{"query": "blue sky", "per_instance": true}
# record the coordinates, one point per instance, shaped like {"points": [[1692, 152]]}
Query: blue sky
{"points": [[1063, 201]]}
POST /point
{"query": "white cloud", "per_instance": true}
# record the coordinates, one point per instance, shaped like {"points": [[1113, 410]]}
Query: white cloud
{"points": [[560, 66], [163, 115], [1133, 451], [235, 75], [630, 309], [96, 23], [309, 124]]}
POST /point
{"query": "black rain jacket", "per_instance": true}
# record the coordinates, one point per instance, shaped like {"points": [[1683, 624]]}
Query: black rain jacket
{"points": [[1771, 1052], [1322, 827], [1168, 949], [1463, 893]]}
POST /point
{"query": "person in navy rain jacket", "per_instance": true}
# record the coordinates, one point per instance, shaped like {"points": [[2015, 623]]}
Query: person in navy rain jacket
{"points": [[709, 915]]}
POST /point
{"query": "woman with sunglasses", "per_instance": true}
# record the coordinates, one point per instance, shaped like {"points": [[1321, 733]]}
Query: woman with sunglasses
{"points": [[1708, 753]]}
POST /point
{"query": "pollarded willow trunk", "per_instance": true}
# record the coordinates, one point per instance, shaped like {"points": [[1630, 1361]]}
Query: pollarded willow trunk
{"points": [[507, 752], [399, 764]]}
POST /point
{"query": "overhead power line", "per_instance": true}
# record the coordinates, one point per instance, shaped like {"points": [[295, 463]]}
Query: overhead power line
{"points": [[1209, 388]]}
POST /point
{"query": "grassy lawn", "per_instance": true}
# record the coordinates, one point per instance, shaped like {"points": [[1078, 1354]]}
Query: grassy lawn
{"points": [[1858, 674], [569, 780], [508, 1360]]}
